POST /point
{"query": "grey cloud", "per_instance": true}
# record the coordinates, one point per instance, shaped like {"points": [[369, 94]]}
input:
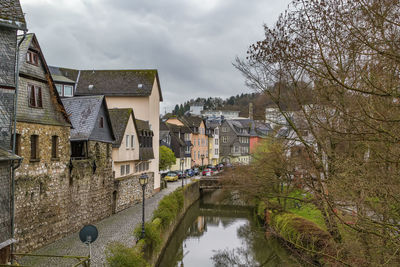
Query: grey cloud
{"points": [[192, 45]]}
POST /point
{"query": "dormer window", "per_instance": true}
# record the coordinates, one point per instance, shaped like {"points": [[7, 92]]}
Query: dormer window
{"points": [[65, 90], [32, 58]]}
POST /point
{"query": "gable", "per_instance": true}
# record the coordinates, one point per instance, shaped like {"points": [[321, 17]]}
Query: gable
{"points": [[102, 130], [52, 111]]}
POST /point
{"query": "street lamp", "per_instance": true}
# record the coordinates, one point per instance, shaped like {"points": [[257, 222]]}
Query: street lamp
{"points": [[202, 165], [143, 180], [182, 161]]}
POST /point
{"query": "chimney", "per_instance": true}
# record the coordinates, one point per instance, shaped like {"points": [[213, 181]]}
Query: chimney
{"points": [[251, 115]]}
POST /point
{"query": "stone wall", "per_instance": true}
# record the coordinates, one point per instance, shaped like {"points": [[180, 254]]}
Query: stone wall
{"points": [[52, 200], [128, 191], [5, 223]]}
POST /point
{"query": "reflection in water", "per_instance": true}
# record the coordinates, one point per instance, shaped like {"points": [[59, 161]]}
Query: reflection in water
{"points": [[221, 236]]}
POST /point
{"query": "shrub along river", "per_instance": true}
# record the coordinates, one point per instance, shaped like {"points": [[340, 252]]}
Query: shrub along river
{"points": [[215, 234]]}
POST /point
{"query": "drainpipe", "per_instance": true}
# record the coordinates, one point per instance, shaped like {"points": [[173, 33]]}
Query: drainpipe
{"points": [[14, 140]]}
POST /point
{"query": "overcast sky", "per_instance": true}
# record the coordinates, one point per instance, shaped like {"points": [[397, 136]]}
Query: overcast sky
{"points": [[192, 43]]}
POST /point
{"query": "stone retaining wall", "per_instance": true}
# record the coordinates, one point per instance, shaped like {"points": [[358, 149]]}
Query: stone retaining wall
{"points": [[127, 191], [191, 195]]}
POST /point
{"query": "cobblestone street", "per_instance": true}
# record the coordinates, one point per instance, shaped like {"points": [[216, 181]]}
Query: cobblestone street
{"points": [[118, 227]]}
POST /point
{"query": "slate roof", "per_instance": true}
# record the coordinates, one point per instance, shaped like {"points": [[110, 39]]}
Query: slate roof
{"points": [[117, 82], [191, 121], [60, 74], [6, 155], [11, 14], [83, 113], [119, 120]]}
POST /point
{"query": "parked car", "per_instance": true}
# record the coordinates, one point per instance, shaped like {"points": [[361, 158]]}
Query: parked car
{"points": [[189, 172], [196, 171], [171, 176], [207, 172], [181, 174], [220, 166]]}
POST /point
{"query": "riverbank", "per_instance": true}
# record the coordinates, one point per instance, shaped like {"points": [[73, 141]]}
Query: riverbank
{"points": [[158, 230], [306, 238]]}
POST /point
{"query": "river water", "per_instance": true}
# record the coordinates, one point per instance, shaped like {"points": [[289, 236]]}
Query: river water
{"points": [[222, 235]]}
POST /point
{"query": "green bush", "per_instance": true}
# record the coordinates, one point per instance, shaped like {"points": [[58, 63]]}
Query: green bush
{"points": [[118, 255], [300, 231], [169, 207], [152, 237]]}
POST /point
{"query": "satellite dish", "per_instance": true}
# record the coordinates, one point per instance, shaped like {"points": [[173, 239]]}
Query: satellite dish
{"points": [[88, 234]]}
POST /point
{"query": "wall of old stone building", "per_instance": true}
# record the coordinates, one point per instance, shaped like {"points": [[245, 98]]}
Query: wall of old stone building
{"points": [[128, 191], [52, 200], [5, 219]]}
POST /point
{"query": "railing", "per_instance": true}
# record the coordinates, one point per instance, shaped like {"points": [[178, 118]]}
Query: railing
{"points": [[82, 260]]}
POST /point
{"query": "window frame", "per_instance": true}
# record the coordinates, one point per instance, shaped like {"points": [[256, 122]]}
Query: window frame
{"points": [[54, 147], [133, 141], [127, 141], [35, 97], [32, 58], [35, 156], [72, 90]]}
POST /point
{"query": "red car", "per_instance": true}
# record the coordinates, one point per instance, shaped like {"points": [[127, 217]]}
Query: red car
{"points": [[207, 172]]}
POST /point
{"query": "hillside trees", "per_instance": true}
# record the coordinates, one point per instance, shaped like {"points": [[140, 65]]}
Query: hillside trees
{"points": [[346, 53]]}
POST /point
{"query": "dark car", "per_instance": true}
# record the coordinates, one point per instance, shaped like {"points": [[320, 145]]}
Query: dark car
{"points": [[196, 171], [189, 172], [181, 174]]}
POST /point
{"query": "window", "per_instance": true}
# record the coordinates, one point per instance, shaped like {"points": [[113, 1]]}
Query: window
{"points": [[35, 96], [54, 147], [79, 149], [34, 147], [224, 129], [216, 141], [101, 123], [32, 58], [198, 154], [59, 89], [122, 170], [187, 149], [127, 141], [216, 151], [198, 142], [132, 141], [216, 131], [224, 139], [127, 169], [68, 90], [236, 149]]}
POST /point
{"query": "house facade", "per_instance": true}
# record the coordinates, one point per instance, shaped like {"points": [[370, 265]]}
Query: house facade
{"points": [[213, 142], [234, 142], [42, 140], [11, 20], [129, 160], [181, 146], [136, 89], [198, 138]]}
